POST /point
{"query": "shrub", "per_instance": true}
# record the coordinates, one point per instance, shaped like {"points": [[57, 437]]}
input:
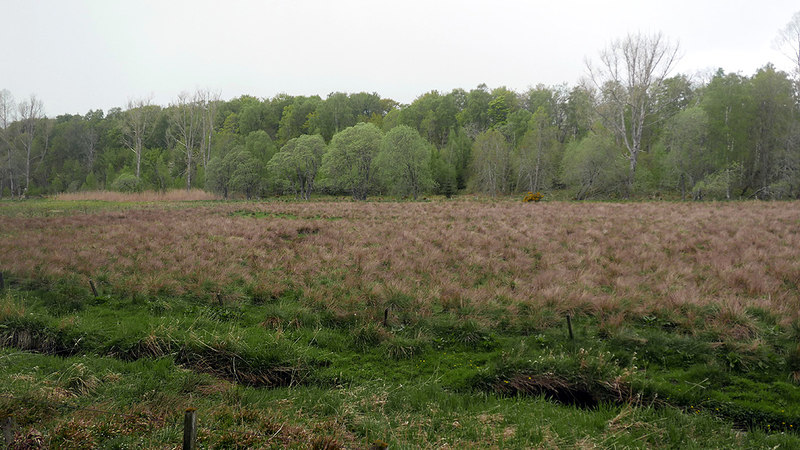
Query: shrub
{"points": [[531, 197], [127, 183]]}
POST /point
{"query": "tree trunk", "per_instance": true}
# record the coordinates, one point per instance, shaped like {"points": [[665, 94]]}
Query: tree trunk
{"points": [[189, 169], [28, 167], [138, 156], [683, 187], [631, 175]]}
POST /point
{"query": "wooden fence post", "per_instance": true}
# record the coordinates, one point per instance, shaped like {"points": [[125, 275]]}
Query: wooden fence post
{"points": [[8, 431], [569, 327], [190, 429], [94, 289]]}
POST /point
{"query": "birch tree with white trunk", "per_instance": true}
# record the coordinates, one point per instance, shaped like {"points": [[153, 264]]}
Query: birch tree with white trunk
{"points": [[137, 119], [788, 40], [208, 102], [186, 120], [30, 112], [6, 117], [630, 72]]}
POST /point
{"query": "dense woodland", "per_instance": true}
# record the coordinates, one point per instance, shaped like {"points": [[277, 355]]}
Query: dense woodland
{"points": [[632, 129]]}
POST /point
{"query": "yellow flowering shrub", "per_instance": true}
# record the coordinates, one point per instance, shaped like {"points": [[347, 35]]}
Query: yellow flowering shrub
{"points": [[531, 197]]}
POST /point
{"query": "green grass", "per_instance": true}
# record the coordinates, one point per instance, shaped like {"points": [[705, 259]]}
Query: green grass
{"points": [[71, 400], [442, 380], [45, 207]]}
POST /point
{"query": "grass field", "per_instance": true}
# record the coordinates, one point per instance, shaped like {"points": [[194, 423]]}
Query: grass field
{"points": [[433, 324]]}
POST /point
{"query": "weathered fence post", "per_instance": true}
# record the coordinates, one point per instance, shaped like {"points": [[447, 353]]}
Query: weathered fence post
{"points": [[569, 327], [94, 289], [190, 429], [8, 431]]}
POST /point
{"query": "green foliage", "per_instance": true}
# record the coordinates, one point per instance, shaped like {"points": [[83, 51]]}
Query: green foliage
{"points": [[296, 118], [444, 175], [260, 145], [686, 137], [492, 163], [579, 114], [498, 111], [298, 163], [776, 111], [155, 169], [403, 162], [349, 164], [126, 182], [475, 113], [332, 116], [720, 184], [746, 114], [433, 115], [538, 155], [238, 171], [251, 117], [594, 166], [690, 134], [458, 153], [247, 173], [90, 184]]}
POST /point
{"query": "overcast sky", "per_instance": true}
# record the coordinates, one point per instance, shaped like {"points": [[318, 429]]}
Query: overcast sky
{"points": [[82, 55]]}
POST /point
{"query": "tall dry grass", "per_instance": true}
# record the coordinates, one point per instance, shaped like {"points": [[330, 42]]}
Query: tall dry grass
{"points": [[175, 195], [614, 261]]}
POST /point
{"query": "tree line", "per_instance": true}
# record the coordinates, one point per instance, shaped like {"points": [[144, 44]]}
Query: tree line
{"points": [[632, 128]]}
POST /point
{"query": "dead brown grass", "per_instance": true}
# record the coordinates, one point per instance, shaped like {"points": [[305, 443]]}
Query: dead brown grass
{"points": [[175, 195], [610, 260]]}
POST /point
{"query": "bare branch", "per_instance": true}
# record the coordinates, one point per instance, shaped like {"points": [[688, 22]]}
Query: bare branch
{"points": [[631, 71]]}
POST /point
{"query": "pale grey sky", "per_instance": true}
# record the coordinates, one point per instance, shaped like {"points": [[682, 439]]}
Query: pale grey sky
{"points": [[81, 55]]}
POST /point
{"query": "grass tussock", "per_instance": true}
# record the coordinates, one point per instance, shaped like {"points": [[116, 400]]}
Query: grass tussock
{"points": [[175, 195], [584, 379]]}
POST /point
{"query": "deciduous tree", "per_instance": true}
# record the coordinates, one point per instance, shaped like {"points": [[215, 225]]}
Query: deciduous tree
{"points": [[404, 161], [593, 165], [31, 111], [6, 117], [537, 158], [186, 121], [137, 120], [788, 40], [349, 163], [492, 165], [686, 141], [631, 70], [237, 171], [298, 162]]}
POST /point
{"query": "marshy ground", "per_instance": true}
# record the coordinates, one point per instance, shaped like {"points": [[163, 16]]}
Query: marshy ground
{"points": [[428, 324]]}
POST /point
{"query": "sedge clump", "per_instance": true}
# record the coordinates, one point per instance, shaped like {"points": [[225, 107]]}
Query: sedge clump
{"points": [[532, 197]]}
